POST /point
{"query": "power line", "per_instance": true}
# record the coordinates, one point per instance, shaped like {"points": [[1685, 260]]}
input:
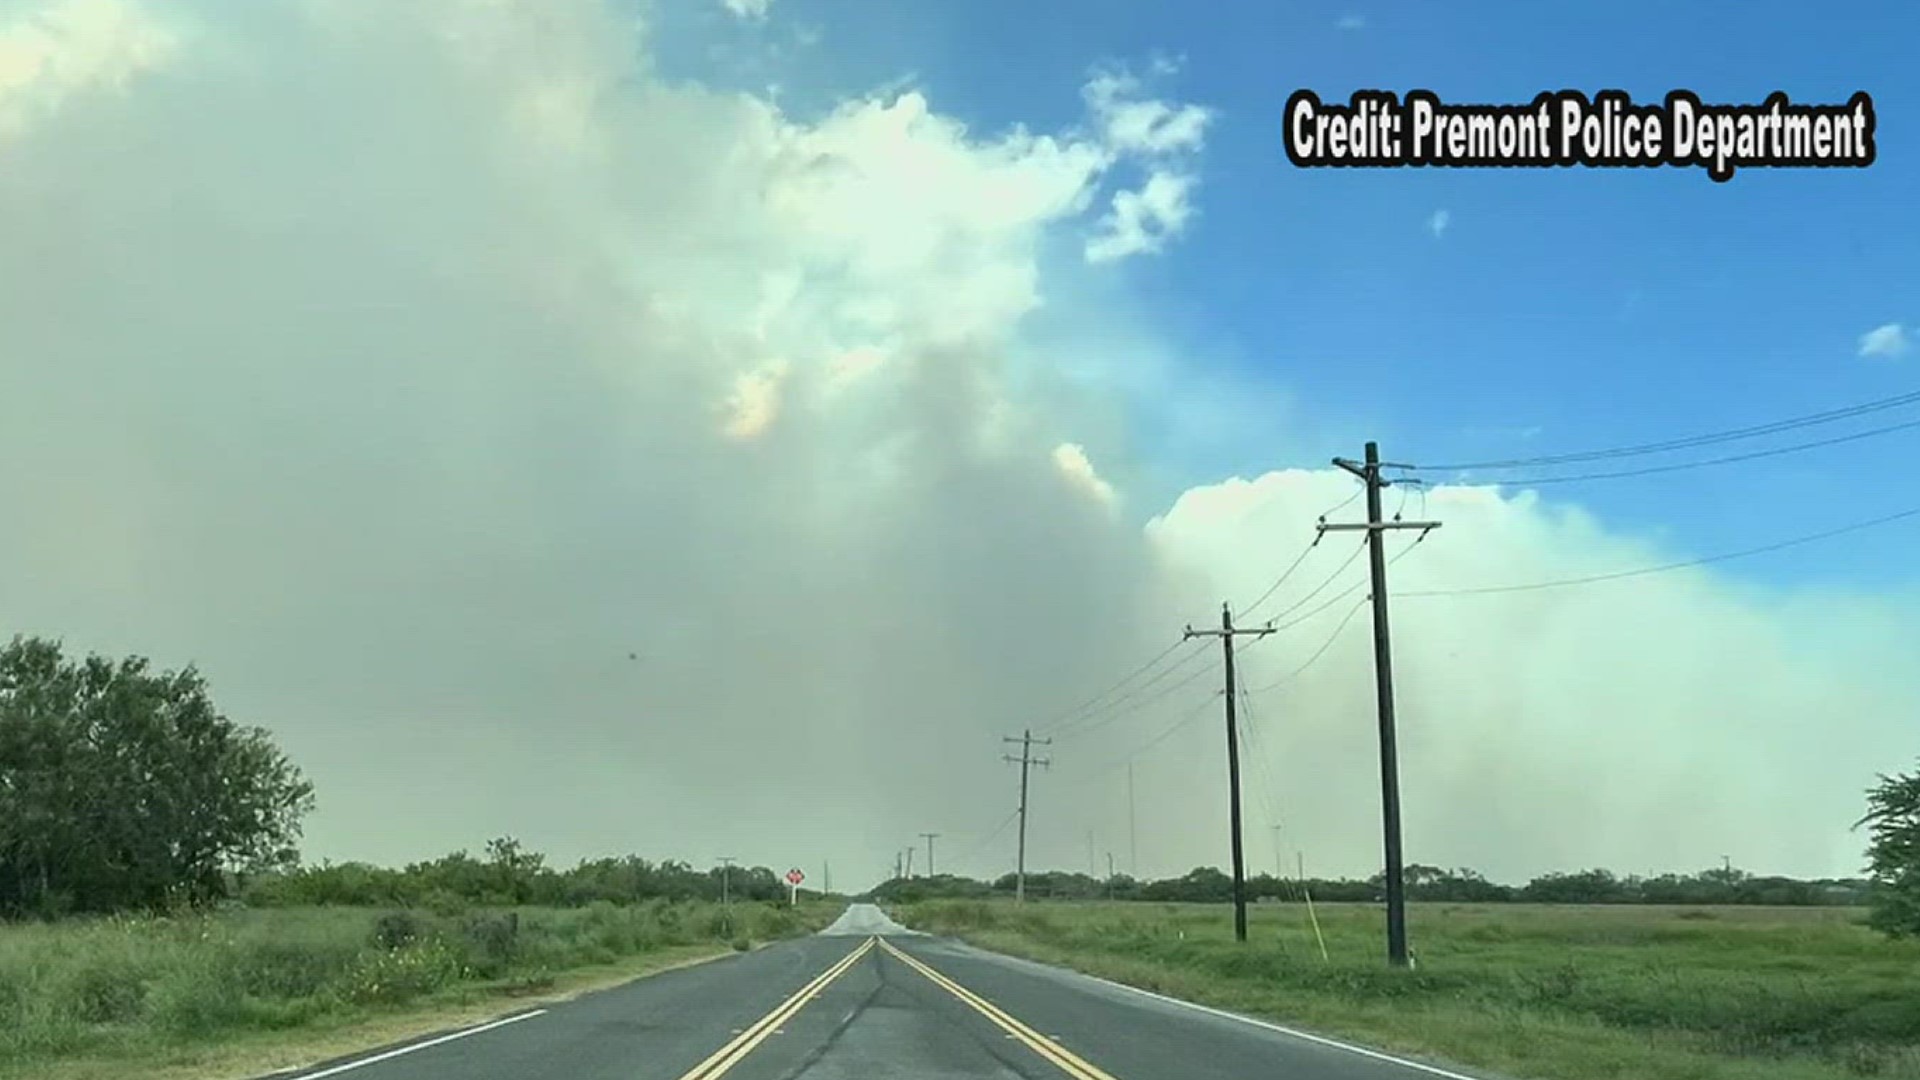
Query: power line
{"points": [[1117, 712], [1319, 652], [1776, 451], [1249, 609], [966, 858], [1067, 715], [1318, 589], [1186, 718], [1335, 599], [1284, 575], [1664, 567], [1256, 743], [1103, 715], [1689, 442], [1120, 709]]}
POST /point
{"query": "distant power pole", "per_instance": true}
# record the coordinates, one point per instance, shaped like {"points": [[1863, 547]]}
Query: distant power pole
{"points": [[1090, 867], [1226, 634], [1369, 473], [726, 890], [896, 866], [1026, 760], [909, 864], [826, 879], [930, 837], [1133, 835]]}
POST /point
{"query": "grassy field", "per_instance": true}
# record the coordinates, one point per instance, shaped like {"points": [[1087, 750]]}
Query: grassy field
{"points": [[1543, 993], [223, 994]]}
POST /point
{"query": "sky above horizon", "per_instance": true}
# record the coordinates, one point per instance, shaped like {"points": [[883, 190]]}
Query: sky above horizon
{"points": [[708, 427]]}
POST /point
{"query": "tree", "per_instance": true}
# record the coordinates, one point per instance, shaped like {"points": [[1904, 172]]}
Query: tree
{"points": [[1893, 854], [123, 787]]}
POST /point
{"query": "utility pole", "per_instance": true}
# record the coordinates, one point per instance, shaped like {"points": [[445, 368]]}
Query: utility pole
{"points": [[1090, 867], [1026, 760], [909, 864], [930, 836], [896, 866], [826, 879], [1133, 835], [1369, 473], [1226, 634], [1109, 875], [726, 890]]}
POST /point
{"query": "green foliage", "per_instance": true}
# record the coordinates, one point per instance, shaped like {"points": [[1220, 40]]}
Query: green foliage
{"points": [[1893, 854], [90, 985], [397, 930], [1646, 992], [126, 787], [508, 875], [1209, 885]]}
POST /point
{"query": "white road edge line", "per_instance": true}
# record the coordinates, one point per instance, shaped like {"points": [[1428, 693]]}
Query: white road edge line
{"points": [[449, 1037], [1433, 1070]]}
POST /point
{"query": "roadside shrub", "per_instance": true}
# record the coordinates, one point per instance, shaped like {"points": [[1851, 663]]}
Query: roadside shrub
{"points": [[400, 975], [493, 942], [102, 995], [398, 929]]}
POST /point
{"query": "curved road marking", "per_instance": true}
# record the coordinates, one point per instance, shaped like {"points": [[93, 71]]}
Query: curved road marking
{"points": [[1068, 1062], [742, 1044]]}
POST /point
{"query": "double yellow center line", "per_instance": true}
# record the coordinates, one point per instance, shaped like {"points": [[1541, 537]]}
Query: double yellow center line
{"points": [[1069, 1063], [742, 1044]]}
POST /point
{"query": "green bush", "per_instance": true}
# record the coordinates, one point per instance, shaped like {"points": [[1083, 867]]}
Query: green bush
{"points": [[398, 929]]}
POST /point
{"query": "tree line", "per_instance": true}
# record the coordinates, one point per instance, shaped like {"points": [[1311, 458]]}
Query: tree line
{"points": [[123, 787], [1206, 885], [507, 874]]}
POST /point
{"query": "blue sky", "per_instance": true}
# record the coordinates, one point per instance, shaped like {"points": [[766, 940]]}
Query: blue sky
{"points": [[1558, 310]]}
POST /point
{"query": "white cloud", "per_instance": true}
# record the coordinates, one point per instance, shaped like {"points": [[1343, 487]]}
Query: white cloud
{"points": [[480, 416], [1071, 460], [1889, 340], [1131, 124], [1438, 221], [1352, 22], [1143, 221], [755, 401], [754, 10], [1165, 137], [74, 47]]}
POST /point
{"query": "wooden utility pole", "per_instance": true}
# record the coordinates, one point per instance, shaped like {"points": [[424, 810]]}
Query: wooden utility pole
{"points": [[1226, 633], [1133, 833], [1026, 760], [929, 836], [726, 890], [1369, 473]]}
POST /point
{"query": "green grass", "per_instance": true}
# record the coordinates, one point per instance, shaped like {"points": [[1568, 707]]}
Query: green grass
{"points": [[139, 988], [1546, 993]]}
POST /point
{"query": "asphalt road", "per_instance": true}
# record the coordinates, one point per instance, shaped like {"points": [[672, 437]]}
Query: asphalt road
{"points": [[868, 1000]]}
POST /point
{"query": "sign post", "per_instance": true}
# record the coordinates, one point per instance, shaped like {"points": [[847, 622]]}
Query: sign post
{"points": [[794, 878]]}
